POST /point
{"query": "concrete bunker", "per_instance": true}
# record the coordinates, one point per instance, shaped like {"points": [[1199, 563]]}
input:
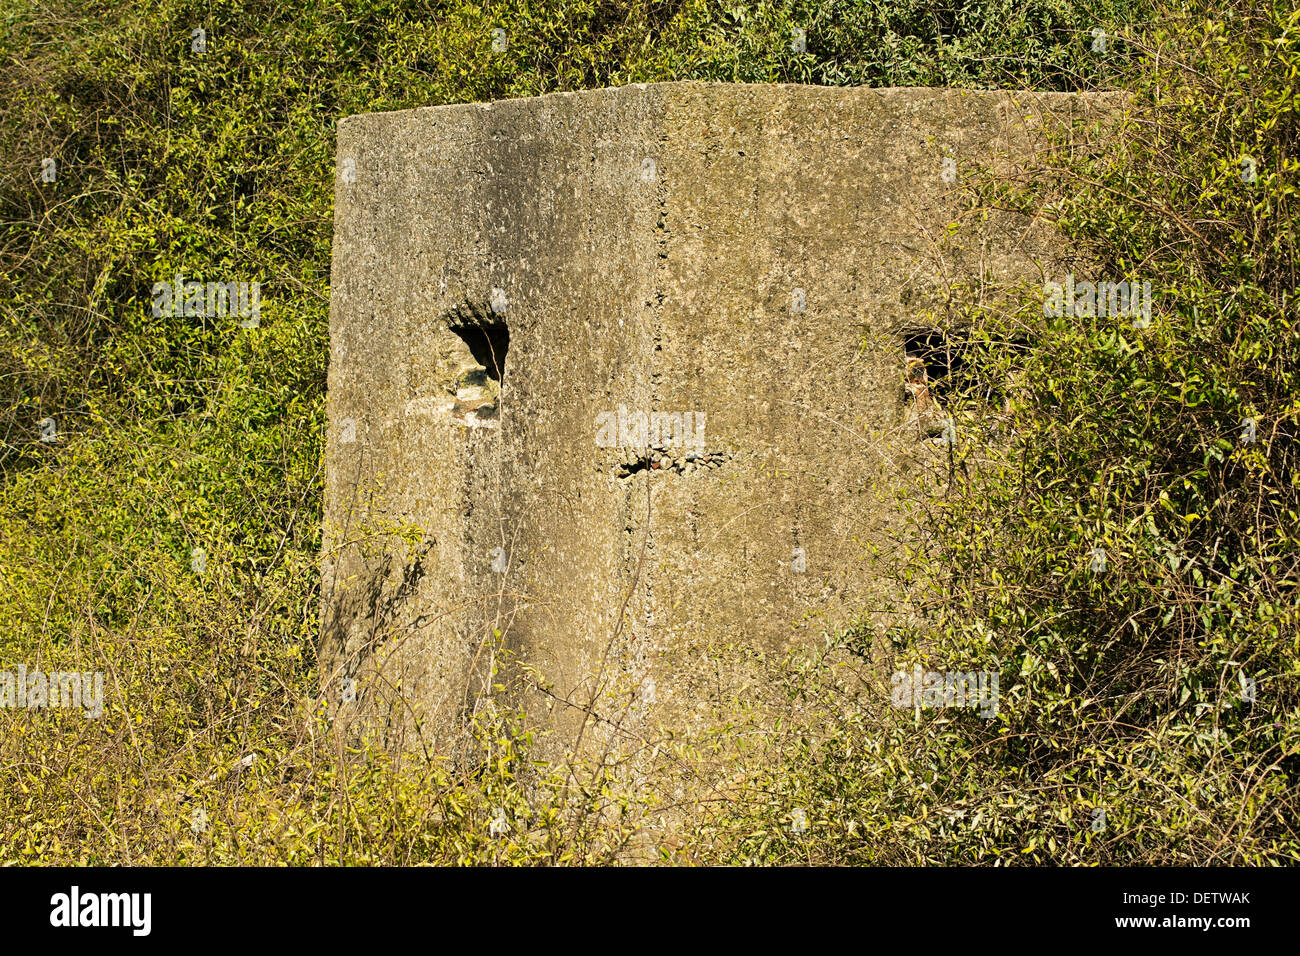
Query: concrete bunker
{"points": [[750, 256]]}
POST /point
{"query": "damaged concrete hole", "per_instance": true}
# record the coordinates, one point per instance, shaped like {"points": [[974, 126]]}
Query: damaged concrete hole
{"points": [[659, 459], [478, 381]]}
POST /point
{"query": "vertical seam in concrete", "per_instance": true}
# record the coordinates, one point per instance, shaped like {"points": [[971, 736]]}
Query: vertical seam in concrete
{"points": [[659, 276]]}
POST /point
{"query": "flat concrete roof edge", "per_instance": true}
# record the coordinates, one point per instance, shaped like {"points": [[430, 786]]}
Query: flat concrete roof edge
{"points": [[1103, 97]]}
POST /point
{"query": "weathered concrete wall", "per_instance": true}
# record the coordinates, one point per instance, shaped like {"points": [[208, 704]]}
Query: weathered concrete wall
{"points": [[750, 253]]}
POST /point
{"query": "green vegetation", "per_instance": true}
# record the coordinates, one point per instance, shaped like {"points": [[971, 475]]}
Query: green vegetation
{"points": [[174, 434]]}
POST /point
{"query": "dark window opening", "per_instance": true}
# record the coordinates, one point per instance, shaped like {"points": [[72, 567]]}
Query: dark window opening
{"points": [[933, 359], [954, 368], [488, 340]]}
